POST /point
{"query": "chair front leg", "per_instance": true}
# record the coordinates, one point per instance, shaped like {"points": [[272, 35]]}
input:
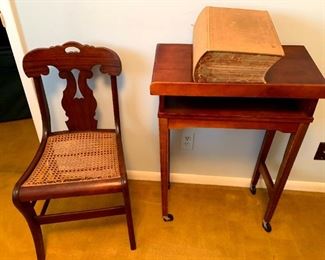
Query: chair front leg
{"points": [[129, 220], [27, 210]]}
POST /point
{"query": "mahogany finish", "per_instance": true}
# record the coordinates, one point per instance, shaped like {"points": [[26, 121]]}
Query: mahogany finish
{"points": [[80, 113], [294, 76], [285, 103]]}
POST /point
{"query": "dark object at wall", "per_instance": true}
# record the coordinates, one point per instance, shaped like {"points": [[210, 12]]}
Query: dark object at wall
{"points": [[13, 103], [320, 153]]}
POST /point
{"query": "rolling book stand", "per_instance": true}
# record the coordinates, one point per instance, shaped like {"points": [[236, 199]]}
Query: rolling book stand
{"points": [[285, 103]]}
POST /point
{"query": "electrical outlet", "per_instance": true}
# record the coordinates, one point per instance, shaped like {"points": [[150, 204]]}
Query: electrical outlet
{"points": [[320, 154], [187, 140]]}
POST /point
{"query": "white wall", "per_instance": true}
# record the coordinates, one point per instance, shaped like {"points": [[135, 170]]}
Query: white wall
{"points": [[132, 29]]}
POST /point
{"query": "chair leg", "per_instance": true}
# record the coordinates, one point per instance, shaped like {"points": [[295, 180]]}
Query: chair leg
{"points": [[27, 210], [129, 220]]}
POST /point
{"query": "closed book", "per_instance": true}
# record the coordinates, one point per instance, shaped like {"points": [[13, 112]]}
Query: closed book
{"points": [[234, 45]]}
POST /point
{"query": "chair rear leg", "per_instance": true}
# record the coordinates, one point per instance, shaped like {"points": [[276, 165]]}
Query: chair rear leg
{"points": [[129, 220], [27, 210]]}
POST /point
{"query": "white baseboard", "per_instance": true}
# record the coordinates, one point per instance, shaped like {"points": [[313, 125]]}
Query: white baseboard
{"points": [[223, 181]]}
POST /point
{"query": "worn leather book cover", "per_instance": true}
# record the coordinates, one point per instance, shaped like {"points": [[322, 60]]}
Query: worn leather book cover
{"points": [[234, 45]]}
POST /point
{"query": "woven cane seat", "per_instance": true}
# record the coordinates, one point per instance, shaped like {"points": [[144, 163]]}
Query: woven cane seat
{"points": [[77, 157]]}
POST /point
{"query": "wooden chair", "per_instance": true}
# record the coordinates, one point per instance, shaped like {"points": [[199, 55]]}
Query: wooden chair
{"points": [[83, 160]]}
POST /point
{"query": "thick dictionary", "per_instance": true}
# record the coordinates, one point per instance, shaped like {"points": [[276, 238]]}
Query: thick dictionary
{"points": [[234, 45]]}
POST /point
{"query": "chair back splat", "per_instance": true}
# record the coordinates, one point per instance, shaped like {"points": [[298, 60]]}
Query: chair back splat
{"points": [[83, 160], [80, 111]]}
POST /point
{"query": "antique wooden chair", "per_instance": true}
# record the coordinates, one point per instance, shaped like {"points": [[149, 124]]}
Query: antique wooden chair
{"points": [[83, 160]]}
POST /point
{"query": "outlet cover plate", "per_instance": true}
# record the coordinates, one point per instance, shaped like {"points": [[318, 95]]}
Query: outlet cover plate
{"points": [[187, 140]]}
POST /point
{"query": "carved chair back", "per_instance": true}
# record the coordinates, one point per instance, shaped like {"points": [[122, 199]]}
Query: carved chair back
{"points": [[79, 110]]}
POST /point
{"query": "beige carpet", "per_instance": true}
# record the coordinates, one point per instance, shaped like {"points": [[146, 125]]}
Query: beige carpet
{"points": [[211, 222]]}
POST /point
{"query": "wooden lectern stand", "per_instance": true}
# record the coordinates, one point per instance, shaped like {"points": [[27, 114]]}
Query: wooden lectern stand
{"points": [[285, 103]]}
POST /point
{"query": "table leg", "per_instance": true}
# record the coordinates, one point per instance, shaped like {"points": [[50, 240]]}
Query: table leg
{"points": [[168, 159], [289, 157], [164, 166], [265, 148]]}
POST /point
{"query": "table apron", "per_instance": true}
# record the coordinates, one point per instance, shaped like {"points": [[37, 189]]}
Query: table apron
{"points": [[266, 125]]}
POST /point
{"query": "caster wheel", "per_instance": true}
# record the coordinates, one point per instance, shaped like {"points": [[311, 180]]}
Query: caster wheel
{"points": [[252, 189], [267, 226], [168, 218]]}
